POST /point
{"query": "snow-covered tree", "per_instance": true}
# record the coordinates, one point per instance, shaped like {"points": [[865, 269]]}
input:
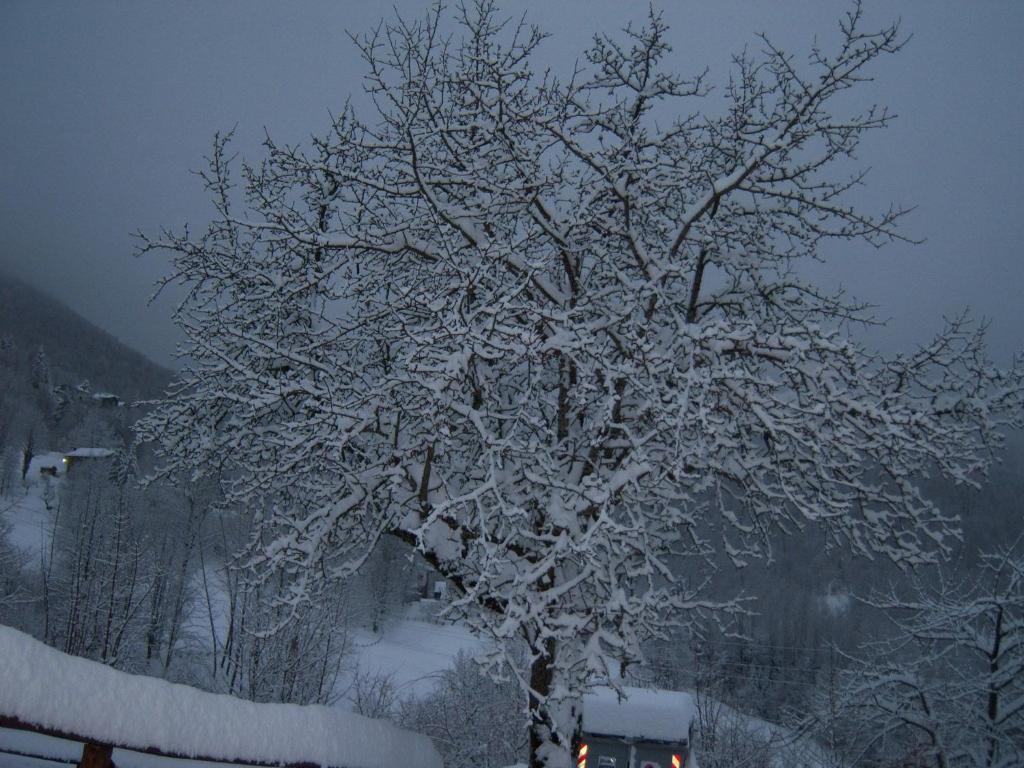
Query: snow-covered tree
{"points": [[274, 651], [948, 690], [383, 584], [258, 645], [553, 333], [13, 590], [41, 377], [474, 721]]}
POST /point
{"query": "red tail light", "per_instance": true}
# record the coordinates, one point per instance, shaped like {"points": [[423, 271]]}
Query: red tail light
{"points": [[677, 761]]}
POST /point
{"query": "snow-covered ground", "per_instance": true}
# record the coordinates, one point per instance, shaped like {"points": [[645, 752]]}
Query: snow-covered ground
{"points": [[413, 652], [26, 508]]}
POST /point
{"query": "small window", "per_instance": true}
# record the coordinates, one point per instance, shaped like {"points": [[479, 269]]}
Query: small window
{"points": [[605, 762]]}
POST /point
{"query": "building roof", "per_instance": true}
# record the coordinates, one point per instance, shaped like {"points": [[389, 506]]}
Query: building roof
{"points": [[642, 714], [90, 453]]}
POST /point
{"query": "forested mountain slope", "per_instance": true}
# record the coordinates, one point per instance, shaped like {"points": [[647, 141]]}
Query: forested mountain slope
{"points": [[76, 348]]}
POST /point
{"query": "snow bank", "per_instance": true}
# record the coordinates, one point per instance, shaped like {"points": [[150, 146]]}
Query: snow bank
{"points": [[50, 689], [642, 714]]}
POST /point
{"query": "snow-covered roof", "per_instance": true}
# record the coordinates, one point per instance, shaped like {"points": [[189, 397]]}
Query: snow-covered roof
{"points": [[90, 453], [47, 688], [643, 714]]}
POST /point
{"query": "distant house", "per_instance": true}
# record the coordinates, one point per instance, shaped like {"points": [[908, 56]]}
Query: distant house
{"points": [[107, 400], [645, 729], [45, 464], [430, 585], [86, 456]]}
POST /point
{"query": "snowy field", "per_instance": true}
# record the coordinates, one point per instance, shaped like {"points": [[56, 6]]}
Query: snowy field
{"points": [[413, 652]]}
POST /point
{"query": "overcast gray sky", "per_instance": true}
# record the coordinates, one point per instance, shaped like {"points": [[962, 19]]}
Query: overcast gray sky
{"points": [[105, 108]]}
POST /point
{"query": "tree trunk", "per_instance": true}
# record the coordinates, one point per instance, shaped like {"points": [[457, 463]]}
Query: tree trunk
{"points": [[27, 453], [993, 688], [550, 741]]}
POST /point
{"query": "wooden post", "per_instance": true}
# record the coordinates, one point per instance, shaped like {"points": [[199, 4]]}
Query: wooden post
{"points": [[96, 756]]}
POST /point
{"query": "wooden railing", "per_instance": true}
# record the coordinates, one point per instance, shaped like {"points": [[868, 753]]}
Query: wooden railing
{"points": [[98, 754]]}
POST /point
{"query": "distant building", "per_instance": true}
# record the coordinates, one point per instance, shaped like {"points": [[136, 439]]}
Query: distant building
{"points": [[646, 729], [83, 393], [86, 456], [429, 584], [107, 400]]}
